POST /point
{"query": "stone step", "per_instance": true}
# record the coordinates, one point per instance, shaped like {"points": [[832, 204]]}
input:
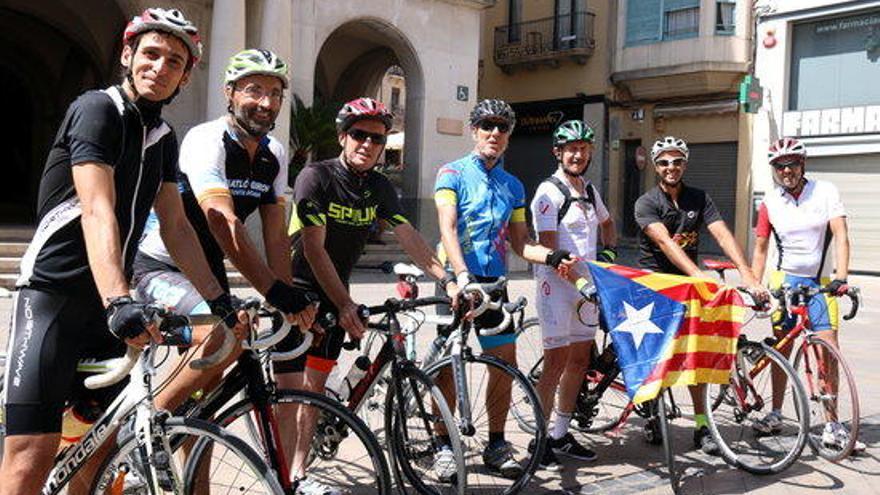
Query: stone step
{"points": [[12, 249], [16, 233], [9, 264], [7, 281]]}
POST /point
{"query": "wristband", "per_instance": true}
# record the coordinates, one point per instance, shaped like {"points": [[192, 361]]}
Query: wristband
{"points": [[607, 255], [446, 280], [463, 279]]}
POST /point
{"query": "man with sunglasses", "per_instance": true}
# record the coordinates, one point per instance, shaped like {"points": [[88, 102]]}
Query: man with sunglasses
{"points": [[803, 216], [481, 207], [229, 168], [670, 217], [336, 202]]}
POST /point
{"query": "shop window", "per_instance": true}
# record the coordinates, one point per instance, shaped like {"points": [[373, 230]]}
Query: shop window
{"points": [[725, 17], [835, 62]]}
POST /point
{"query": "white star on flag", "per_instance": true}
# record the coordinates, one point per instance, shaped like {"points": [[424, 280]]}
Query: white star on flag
{"points": [[638, 323]]}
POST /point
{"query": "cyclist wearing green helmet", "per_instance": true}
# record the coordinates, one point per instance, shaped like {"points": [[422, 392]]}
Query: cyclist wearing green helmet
{"points": [[229, 169], [568, 215]]}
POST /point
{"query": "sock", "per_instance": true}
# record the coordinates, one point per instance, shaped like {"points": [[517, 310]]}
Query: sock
{"points": [[560, 427], [444, 440], [701, 420], [495, 437]]}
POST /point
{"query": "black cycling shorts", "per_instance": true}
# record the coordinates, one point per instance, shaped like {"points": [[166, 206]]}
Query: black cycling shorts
{"points": [[325, 350], [50, 333]]}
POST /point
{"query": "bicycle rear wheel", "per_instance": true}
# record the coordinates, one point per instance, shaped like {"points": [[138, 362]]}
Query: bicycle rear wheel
{"points": [[344, 452], [833, 398], [734, 409], [527, 444], [231, 468], [414, 406]]}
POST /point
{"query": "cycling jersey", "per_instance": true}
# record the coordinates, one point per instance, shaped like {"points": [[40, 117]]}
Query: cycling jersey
{"points": [[58, 316], [214, 163], [800, 226], [578, 234], [486, 201], [347, 204], [102, 127], [683, 219]]}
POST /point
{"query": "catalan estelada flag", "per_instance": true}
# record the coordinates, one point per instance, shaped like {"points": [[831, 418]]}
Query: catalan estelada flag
{"points": [[668, 330]]}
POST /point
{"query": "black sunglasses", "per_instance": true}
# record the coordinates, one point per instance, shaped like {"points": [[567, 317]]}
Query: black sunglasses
{"points": [[489, 126], [360, 135], [787, 163], [677, 162]]}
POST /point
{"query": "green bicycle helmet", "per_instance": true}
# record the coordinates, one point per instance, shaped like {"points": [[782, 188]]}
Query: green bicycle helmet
{"points": [[255, 61], [571, 131]]}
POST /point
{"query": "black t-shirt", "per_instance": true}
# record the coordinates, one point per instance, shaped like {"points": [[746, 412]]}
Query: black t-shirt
{"points": [[102, 127], [347, 204], [694, 209]]}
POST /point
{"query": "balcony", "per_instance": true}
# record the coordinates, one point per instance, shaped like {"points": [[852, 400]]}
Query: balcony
{"points": [[545, 41]]}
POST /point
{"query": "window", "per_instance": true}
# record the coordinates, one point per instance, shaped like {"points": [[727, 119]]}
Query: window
{"points": [[834, 61], [395, 98], [681, 19], [568, 25], [514, 19], [725, 17]]}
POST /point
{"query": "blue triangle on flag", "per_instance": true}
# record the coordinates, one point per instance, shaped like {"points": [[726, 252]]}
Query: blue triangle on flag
{"points": [[641, 322]]}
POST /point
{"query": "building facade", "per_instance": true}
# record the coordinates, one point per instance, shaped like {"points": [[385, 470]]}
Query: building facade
{"points": [[819, 63], [53, 50]]}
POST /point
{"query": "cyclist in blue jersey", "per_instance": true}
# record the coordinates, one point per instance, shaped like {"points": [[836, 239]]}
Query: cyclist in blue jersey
{"points": [[481, 208]]}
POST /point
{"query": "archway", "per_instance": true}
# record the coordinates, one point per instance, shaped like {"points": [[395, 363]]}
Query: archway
{"points": [[49, 53], [353, 61]]}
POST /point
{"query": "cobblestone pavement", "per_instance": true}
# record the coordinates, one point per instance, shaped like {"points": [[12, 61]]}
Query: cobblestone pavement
{"points": [[628, 465]]}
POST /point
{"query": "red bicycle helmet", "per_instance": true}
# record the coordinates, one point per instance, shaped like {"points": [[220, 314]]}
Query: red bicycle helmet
{"points": [[363, 109]]}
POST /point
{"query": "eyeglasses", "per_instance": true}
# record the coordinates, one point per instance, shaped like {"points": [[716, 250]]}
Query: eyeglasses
{"points": [[676, 162], [489, 126], [257, 92], [787, 163], [361, 136]]}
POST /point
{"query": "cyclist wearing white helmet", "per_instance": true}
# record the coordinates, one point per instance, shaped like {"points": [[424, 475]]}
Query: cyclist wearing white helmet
{"points": [[569, 214], [803, 215], [670, 217], [229, 168], [112, 160]]}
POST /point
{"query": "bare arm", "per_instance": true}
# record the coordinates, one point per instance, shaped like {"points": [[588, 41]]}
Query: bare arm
{"points": [[731, 248], [841, 247], [316, 255], [97, 196], [422, 254], [759, 256], [180, 239], [659, 235], [608, 233], [448, 218], [525, 247], [276, 241]]}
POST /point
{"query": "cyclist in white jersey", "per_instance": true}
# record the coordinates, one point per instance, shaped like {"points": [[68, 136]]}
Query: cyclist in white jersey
{"points": [[568, 214]]}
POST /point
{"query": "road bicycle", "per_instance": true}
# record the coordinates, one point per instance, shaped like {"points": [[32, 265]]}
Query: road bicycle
{"points": [[145, 442]]}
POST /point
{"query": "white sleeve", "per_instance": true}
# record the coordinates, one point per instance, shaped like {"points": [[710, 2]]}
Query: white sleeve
{"points": [[203, 161], [280, 186], [601, 211], [545, 208], [835, 204]]}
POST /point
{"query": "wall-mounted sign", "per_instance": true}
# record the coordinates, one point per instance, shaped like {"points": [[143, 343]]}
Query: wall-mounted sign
{"points": [[641, 158], [832, 121], [461, 93], [638, 115]]}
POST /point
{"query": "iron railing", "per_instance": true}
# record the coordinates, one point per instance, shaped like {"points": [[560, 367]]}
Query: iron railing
{"points": [[545, 40]]}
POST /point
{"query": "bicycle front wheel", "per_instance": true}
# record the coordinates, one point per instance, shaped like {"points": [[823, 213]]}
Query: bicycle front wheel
{"points": [[737, 412], [833, 398], [232, 467], [414, 410], [668, 453], [489, 410], [343, 453]]}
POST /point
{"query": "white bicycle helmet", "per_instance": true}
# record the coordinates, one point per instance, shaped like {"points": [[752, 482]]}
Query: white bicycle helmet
{"points": [[170, 21], [669, 143], [786, 147], [255, 61]]}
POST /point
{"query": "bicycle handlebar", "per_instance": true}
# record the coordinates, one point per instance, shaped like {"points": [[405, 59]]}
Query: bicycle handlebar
{"points": [[786, 295], [326, 321]]}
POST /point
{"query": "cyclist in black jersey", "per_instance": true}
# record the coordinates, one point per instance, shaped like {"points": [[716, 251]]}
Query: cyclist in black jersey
{"points": [[112, 159], [229, 168], [335, 203]]}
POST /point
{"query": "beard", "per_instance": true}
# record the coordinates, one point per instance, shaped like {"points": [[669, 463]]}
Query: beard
{"points": [[253, 124]]}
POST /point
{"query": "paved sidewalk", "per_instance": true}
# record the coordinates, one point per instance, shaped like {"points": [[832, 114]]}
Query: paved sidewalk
{"points": [[628, 465]]}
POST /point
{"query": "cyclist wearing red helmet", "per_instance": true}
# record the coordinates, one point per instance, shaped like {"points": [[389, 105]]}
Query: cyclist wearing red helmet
{"points": [[112, 160], [804, 216], [335, 204]]}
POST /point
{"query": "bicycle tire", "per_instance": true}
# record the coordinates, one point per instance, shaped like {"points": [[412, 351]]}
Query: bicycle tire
{"points": [[254, 476], [668, 453], [731, 427], [818, 417], [332, 435], [411, 456], [524, 396]]}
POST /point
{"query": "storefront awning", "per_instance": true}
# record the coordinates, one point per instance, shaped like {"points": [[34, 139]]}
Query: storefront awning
{"points": [[710, 108]]}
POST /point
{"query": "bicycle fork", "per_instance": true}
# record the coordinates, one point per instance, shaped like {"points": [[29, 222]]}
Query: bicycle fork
{"points": [[466, 423]]}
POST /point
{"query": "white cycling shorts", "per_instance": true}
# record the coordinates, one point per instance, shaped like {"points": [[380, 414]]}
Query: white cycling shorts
{"points": [[557, 311]]}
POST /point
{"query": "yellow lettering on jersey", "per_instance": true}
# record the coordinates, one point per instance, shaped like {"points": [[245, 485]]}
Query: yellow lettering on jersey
{"points": [[352, 216]]}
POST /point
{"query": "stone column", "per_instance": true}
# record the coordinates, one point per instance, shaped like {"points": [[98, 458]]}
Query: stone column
{"points": [[227, 39], [275, 35]]}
